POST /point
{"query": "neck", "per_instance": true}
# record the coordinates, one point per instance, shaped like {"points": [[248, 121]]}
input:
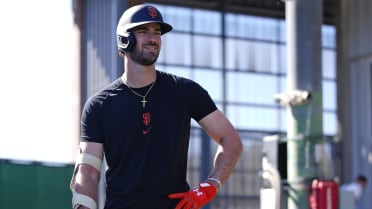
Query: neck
{"points": [[136, 75], [140, 77]]}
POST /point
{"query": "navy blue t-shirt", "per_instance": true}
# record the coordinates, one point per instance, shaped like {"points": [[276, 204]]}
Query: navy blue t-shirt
{"points": [[145, 147]]}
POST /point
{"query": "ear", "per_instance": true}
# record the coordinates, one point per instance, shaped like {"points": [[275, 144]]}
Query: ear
{"points": [[126, 42]]}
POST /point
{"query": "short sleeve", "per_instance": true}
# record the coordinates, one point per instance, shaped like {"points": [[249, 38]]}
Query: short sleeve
{"points": [[204, 104], [90, 126]]}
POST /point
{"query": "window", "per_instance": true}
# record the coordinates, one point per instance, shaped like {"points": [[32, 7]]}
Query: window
{"points": [[243, 69]]}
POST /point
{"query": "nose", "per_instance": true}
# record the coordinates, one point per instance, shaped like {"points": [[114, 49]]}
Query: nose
{"points": [[150, 36], [153, 35]]}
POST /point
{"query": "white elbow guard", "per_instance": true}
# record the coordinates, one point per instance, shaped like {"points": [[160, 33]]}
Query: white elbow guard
{"points": [[88, 159], [81, 199]]}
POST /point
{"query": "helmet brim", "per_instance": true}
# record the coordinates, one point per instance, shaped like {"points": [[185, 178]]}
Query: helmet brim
{"points": [[164, 27]]}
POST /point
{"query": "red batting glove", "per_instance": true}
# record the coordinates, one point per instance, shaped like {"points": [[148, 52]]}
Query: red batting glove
{"points": [[195, 198]]}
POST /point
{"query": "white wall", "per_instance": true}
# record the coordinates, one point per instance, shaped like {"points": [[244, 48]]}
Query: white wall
{"points": [[38, 83]]}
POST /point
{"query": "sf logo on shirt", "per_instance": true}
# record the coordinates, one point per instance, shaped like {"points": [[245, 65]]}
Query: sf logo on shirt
{"points": [[146, 119]]}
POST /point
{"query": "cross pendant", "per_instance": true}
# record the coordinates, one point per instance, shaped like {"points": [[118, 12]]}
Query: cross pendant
{"points": [[143, 102]]}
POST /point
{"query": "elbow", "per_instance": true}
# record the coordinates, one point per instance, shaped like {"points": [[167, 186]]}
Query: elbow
{"points": [[233, 145], [239, 147], [237, 143]]}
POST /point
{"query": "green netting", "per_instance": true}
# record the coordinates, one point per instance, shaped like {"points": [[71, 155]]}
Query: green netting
{"points": [[34, 186]]}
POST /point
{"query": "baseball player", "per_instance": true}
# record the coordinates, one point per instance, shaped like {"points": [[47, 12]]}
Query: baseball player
{"points": [[141, 124]]}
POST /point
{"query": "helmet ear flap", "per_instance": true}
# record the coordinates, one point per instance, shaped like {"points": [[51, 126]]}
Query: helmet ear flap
{"points": [[126, 42]]}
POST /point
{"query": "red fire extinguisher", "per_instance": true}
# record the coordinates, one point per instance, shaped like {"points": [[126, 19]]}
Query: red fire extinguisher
{"points": [[324, 194]]}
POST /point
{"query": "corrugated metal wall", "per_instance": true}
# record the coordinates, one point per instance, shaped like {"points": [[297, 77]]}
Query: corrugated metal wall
{"points": [[360, 150], [355, 87], [100, 61]]}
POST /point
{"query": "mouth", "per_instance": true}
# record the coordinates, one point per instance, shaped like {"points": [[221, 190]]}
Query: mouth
{"points": [[151, 48]]}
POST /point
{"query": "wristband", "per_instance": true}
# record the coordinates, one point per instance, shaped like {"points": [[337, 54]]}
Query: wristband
{"points": [[217, 181]]}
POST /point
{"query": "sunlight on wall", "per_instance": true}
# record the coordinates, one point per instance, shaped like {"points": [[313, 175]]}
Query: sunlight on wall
{"points": [[37, 118]]}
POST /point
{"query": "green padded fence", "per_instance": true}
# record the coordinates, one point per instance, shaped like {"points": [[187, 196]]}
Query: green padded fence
{"points": [[32, 185]]}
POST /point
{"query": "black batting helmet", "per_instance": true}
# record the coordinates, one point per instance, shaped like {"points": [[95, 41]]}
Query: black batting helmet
{"points": [[136, 16]]}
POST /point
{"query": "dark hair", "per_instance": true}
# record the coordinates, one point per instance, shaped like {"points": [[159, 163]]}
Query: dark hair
{"points": [[362, 178]]}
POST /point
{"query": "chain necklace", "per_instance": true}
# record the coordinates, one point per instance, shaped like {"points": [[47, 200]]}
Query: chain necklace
{"points": [[144, 101]]}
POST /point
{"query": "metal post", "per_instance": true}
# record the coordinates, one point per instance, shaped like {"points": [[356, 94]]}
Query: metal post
{"points": [[304, 121]]}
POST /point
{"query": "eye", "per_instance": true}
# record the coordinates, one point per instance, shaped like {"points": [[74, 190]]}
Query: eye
{"points": [[141, 31]]}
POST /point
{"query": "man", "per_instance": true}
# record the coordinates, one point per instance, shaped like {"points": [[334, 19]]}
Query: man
{"points": [[357, 187], [141, 124]]}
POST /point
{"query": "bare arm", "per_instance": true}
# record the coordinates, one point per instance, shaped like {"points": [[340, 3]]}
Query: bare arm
{"points": [[86, 178], [219, 128]]}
